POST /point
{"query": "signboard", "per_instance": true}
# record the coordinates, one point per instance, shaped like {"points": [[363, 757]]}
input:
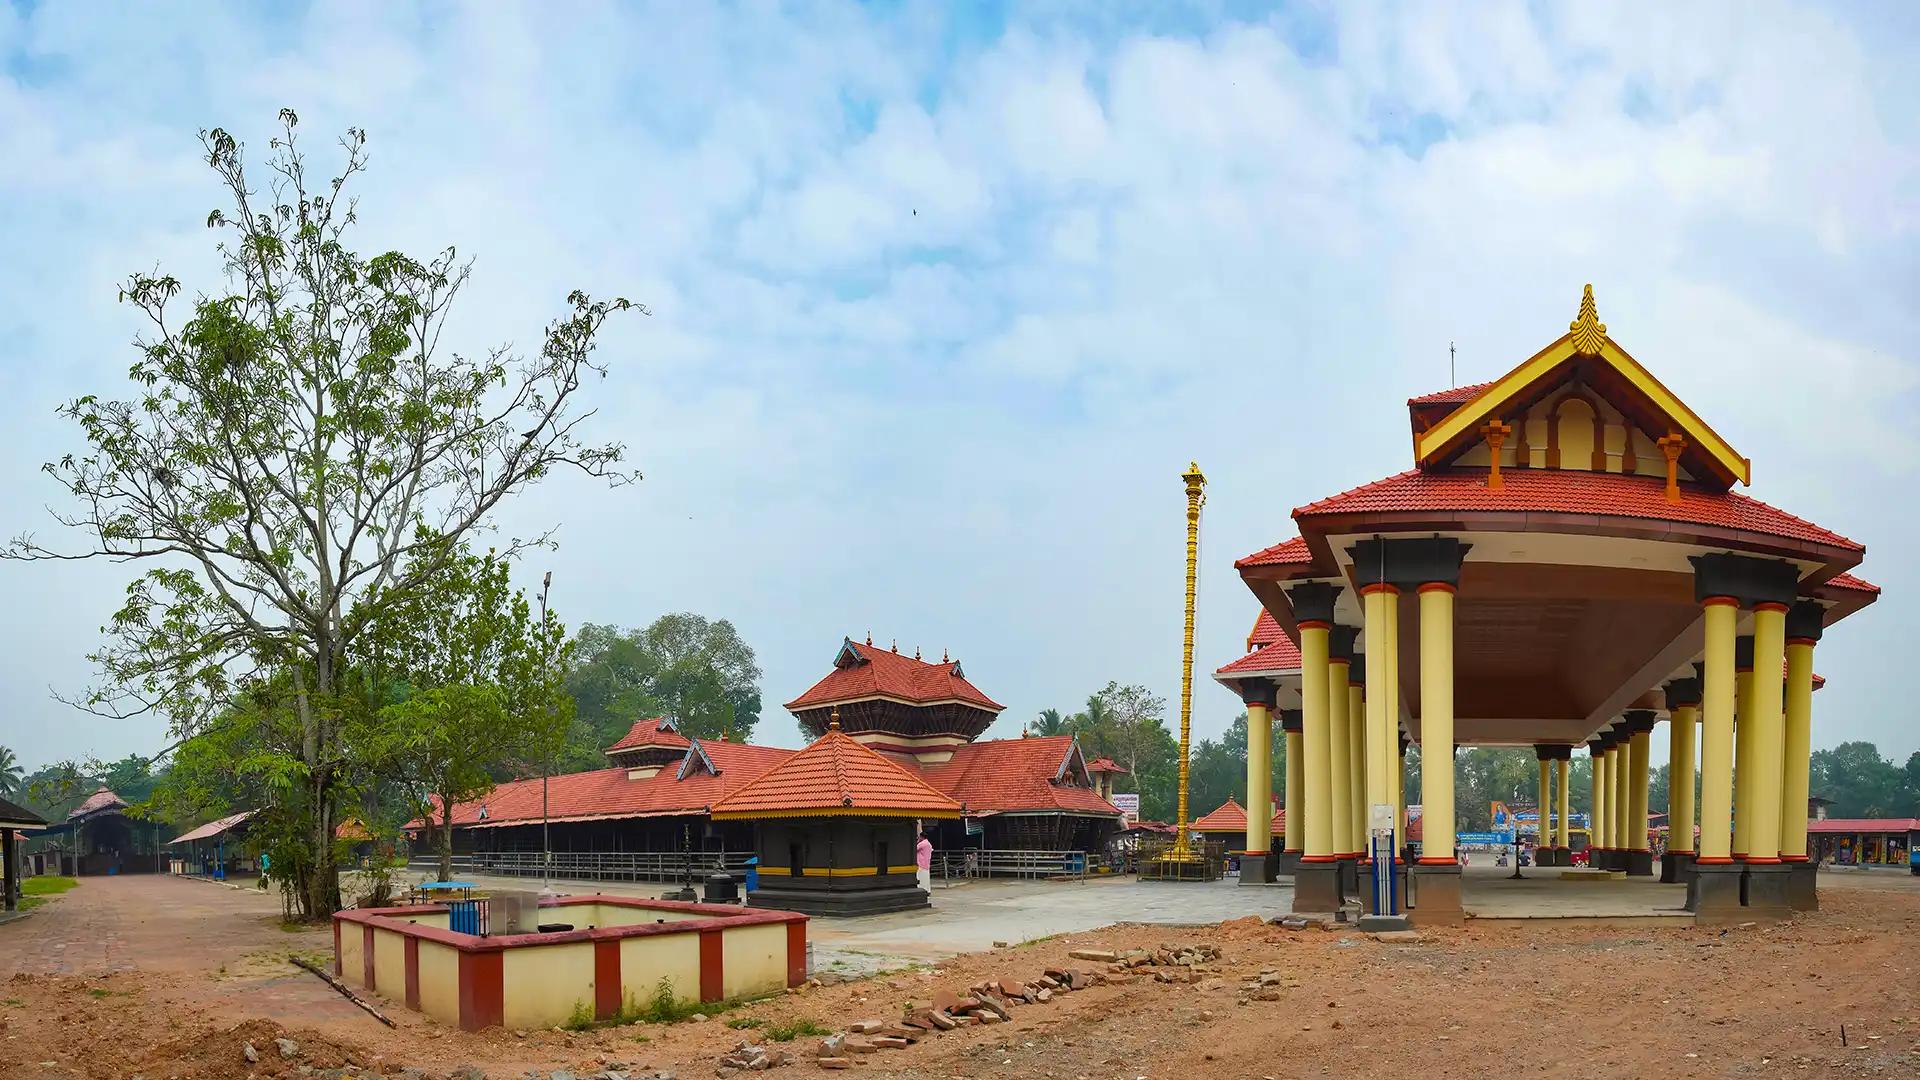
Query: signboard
{"points": [[1128, 803], [1483, 838], [976, 827]]}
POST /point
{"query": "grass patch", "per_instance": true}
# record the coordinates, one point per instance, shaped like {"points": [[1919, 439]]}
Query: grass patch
{"points": [[47, 885], [794, 1029], [662, 1008], [741, 1023], [13, 1003], [99, 992]]}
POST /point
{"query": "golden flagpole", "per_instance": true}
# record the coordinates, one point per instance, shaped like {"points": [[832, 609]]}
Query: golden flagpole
{"points": [[1196, 482]]}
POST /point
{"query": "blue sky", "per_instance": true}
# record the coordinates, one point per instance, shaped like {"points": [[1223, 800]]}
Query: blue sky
{"points": [[946, 296]]}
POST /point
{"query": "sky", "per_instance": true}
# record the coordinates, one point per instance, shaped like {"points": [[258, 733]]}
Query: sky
{"points": [[945, 297]]}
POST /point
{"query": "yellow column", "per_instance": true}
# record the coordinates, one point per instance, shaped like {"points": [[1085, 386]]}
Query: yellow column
{"points": [[1797, 747], [1637, 776], [1339, 761], [1396, 757], [1623, 795], [1400, 796], [1743, 751], [1544, 839], [1259, 774], [1295, 794], [1769, 654], [1316, 776], [1716, 732], [1680, 779], [1357, 762], [1565, 837], [1437, 723], [1377, 601], [1597, 823]]}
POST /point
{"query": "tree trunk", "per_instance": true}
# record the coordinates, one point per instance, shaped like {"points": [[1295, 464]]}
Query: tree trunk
{"points": [[319, 887], [446, 838]]}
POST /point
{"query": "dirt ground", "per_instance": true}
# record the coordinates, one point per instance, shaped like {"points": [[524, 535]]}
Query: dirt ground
{"points": [[162, 978]]}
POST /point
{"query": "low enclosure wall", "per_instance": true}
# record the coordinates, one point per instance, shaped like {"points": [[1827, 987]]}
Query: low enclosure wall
{"points": [[621, 951]]}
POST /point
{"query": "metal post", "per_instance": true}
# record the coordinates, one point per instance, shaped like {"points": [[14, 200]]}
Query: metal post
{"points": [[546, 760]]}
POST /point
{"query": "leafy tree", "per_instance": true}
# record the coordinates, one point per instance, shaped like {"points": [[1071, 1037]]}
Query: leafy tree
{"points": [[303, 459], [1050, 722], [12, 781], [1218, 770], [1128, 724], [478, 686], [1860, 782], [695, 671]]}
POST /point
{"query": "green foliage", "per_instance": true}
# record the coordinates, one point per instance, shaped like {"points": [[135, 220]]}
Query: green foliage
{"points": [[47, 885], [1861, 783], [1050, 722], [794, 1029], [742, 1023], [301, 462], [12, 780], [1128, 724], [697, 672], [580, 1019], [1218, 768]]}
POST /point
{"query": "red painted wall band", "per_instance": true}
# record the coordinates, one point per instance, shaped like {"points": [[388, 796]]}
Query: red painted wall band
{"points": [[413, 972], [366, 957], [712, 967], [606, 979], [796, 953], [482, 995]]}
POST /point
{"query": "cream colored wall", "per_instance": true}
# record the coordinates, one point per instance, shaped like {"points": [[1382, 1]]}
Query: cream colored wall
{"points": [[583, 916], [352, 961], [644, 961], [754, 960], [440, 982], [431, 918], [542, 984], [390, 963]]}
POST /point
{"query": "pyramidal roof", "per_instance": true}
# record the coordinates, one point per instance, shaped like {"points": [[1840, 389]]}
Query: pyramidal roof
{"points": [[836, 776], [657, 731], [865, 671]]}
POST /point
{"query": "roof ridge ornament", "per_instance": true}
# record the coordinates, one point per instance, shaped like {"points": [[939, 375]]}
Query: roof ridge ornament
{"points": [[1588, 331]]}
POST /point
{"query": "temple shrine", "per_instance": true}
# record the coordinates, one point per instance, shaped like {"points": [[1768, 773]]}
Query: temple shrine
{"points": [[1565, 565]]}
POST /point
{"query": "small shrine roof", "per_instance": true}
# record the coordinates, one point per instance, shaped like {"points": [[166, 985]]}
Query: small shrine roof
{"points": [[865, 671], [834, 776]]}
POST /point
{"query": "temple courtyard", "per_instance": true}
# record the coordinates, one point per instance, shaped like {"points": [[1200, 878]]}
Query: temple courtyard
{"points": [[157, 977]]}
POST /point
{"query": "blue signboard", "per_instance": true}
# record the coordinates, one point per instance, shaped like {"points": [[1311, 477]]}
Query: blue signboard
{"points": [[1483, 838]]}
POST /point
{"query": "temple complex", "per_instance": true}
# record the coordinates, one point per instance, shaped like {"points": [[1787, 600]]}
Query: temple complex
{"points": [[655, 802], [1566, 564]]}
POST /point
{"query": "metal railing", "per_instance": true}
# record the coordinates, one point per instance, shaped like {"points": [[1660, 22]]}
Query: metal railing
{"points": [[1009, 862], [668, 866]]}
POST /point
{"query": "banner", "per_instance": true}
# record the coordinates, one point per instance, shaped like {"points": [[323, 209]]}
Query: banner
{"points": [[1128, 803]]}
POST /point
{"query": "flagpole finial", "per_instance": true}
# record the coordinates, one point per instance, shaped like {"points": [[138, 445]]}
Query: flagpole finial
{"points": [[1588, 331]]}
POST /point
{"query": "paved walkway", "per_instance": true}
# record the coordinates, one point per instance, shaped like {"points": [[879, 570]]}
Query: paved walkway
{"points": [[1491, 892]]}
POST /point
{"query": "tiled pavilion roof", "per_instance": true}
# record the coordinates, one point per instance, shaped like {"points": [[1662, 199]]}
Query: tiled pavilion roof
{"points": [[653, 731], [836, 775], [1016, 775], [865, 671]]}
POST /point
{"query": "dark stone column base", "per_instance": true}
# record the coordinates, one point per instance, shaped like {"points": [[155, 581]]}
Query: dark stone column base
{"points": [[1284, 862], [1676, 867], [1256, 868], [1803, 886], [1639, 864], [1562, 856], [1436, 895], [1766, 894], [1617, 859], [1542, 856], [1373, 924], [1349, 876], [1714, 893], [1316, 887]]}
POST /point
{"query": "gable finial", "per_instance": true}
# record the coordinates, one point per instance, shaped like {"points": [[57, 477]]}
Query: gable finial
{"points": [[833, 722], [1588, 331], [869, 637], [916, 652]]}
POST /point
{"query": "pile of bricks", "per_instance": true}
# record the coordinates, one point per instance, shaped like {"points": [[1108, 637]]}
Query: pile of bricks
{"points": [[993, 1001], [752, 1057]]}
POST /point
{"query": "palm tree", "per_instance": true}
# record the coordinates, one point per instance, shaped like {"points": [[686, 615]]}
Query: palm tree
{"points": [[10, 775], [1051, 723]]}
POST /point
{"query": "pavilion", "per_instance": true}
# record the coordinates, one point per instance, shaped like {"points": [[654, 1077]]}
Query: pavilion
{"points": [[100, 837], [14, 819], [1565, 564]]}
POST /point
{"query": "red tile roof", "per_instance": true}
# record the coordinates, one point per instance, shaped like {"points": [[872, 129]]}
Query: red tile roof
{"points": [[96, 803], [836, 775], [654, 731], [1015, 774], [1231, 817], [212, 828], [1291, 553], [607, 793], [1863, 825], [1106, 765], [1459, 395], [864, 671], [1282, 655], [1265, 631], [1569, 492], [1848, 581]]}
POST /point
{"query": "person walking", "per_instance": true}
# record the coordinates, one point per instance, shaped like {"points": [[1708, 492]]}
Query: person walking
{"points": [[923, 860]]}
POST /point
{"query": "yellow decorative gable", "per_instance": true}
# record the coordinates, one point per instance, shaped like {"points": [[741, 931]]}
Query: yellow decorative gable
{"points": [[1650, 421]]}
